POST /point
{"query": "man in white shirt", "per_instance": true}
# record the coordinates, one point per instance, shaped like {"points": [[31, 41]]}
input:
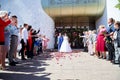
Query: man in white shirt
{"points": [[24, 40]]}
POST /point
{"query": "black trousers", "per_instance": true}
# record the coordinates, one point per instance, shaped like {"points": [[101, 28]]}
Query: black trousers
{"points": [[85, 49], [33, 41], [41, 47], [111, 55], [22, 49], [111, 51]]}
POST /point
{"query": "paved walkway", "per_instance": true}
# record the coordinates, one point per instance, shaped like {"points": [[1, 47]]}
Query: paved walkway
{"points": [[74, 66]]}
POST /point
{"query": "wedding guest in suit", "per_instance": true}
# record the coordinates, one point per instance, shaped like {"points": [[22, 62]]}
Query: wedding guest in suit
{"points": [[60, 40]]}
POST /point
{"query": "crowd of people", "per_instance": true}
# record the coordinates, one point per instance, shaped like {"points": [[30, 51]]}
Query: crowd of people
{"points": [[30, 41], [104, 40]]}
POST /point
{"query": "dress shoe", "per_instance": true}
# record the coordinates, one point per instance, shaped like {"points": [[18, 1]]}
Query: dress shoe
{"points": [[115, 62], [24, 59], [12, 64], [16, 62]]}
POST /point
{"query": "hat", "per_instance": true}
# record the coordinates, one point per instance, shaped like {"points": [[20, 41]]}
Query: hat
{"points": [[3, 13]]}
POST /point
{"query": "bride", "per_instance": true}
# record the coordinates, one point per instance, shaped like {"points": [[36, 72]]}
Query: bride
{"points": [[65, 47]]}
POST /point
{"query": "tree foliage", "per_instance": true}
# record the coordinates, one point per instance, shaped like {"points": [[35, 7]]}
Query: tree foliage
{"points": [[118, 5]]}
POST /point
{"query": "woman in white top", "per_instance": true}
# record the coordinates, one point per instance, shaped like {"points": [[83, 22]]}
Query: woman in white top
{"points": [[65, 47]]}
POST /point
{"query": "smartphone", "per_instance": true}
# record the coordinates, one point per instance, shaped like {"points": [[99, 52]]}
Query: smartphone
{"points": [[9, 13]]}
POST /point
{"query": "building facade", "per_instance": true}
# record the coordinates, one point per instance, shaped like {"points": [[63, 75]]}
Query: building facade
{"points": [[32, 13], [71, 16]]}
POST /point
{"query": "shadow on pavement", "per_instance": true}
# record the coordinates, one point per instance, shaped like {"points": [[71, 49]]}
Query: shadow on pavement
{"points": [[15, 76], [32, 69]]}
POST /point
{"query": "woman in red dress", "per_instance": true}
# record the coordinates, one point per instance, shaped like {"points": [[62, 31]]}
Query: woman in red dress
{"points": [[4, 21], [100, 47], [30, 54], [30, 39]]}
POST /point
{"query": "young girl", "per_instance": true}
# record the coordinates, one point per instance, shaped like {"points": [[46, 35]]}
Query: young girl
{"points": [[44, 42]]}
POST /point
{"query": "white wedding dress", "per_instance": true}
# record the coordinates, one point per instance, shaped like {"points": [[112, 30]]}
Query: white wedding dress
{"points": [[65, 47]]}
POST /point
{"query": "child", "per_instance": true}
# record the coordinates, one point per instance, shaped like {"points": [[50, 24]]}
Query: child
{"points": [[44, 42]]}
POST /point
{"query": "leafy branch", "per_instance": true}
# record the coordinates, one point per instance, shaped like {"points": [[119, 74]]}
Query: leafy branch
{"points": [[118, 5]]}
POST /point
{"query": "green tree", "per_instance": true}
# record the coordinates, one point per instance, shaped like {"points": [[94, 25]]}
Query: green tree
{"points": [[118, 5]]}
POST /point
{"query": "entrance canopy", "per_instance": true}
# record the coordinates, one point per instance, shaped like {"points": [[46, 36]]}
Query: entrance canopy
{"points": [[56, 8]]}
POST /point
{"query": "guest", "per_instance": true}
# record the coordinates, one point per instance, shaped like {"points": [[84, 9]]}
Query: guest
{"points": [[14, 40], [109, 42], [116, 38], [24, 41], [85, 39], [60, 40], [34, 33], [29, 47], [94, 37], [44, 42], [100, 47], [4, 21], [40, 45], [7, 40], [90, 43], [19, 40]]}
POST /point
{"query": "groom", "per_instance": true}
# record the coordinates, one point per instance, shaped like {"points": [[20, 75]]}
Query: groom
{"points": [[60, 40]]}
